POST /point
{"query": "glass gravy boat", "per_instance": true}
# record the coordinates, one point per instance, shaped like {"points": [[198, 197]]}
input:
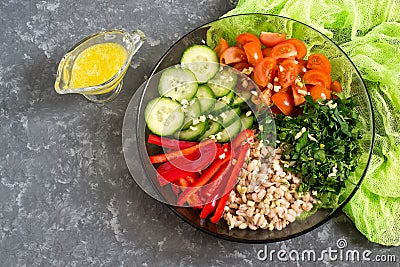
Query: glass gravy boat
{"points": [[108, 90]]}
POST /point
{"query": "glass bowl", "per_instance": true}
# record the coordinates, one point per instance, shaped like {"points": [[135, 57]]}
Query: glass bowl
{"points": [[343, 70]]}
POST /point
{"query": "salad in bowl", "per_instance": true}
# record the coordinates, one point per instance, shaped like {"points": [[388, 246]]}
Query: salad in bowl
{"points": [[256, 132]]}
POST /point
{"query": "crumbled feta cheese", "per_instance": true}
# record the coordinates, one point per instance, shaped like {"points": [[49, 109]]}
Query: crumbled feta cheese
{"points": [[254, 93], [331, 105], [225, 150], [270, 86], [219, 135], [192, 102], [261, 128], [299, 134], [195, 121], [245, 83], [248, 113], [277, 88], [184, 102], [314, 192], [223, 115], [210, 116], [193, 128], [224, 99], [332, 175], [276, 79], [302, 92], [202, 118], [304, 69], [281, 68], [222, 156], [247, 71], [203, 42], [296, 62], [312, 138], [212, 137]]}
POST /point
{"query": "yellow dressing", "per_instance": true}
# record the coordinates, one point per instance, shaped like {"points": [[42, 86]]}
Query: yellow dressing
{"points": [[97, 64]]}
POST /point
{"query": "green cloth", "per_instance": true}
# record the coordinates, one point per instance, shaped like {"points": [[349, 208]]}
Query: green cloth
{"points": [[369, 32]]}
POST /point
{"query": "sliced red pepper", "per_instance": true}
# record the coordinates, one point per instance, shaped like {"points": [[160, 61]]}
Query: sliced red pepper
{"points": [[169, 143], [205, 177], [168, 173], [241, 137], [160, 158], [230, 183], [192, 178], [214, 190]]}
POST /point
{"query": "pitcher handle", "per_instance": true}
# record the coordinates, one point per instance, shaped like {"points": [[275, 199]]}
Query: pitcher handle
{"points": [[138, 39]]}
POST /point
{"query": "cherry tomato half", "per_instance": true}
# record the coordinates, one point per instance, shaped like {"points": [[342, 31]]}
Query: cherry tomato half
{"points": [[287, 72], [263, 71], [253, 52], [283, 50], [284, 102], [299, 45], [336, 87], [272, 38], [319, 62], [245, 38], [233, 55], [320, 92], [221, 47], [317, 77], [298, 94]]}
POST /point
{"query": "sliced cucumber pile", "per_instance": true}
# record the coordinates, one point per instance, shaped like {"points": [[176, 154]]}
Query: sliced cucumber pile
{"points": [[198, 103]]}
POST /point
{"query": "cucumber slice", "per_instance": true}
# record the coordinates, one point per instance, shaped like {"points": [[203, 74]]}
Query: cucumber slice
{"points": [[193, 133], [213, 128], [223, 82], [178, 84], [202, 61], [230, 132], [206, 98], [240, 98], [228, 99], [193, 110], [229, 116], [219, 107], [247, 121], [163, 116]]}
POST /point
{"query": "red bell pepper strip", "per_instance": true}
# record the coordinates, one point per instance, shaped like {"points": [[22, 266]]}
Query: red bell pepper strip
{"points": [[230, 183], [199, 162], [241, 137], [168, 173], [192, 178], [160, 158], [205, 177], [214, 183], [169, 143], [215, 190]]}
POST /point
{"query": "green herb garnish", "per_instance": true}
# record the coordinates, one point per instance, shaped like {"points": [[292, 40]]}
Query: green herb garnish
{"points": [[324, 142]]}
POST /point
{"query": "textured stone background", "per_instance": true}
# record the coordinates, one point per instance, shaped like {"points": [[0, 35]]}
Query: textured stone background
{"points": [[66, 195]]}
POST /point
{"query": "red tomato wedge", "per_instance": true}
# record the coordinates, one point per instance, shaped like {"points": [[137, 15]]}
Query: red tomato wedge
{"points": [[284, 102], [245, 38], [263, 71], [221, 47], [317, 77], [298, 93], [284, 50], [300, 47], [287, 72], [233, 55], [336, 87], [319, 62], [253, 52], [320, 92], [271, 39]]}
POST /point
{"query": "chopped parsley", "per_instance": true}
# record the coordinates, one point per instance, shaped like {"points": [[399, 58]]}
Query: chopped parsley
{"points": [[324, 144]]}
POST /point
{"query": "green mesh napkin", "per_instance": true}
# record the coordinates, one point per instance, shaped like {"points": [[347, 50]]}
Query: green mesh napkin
{"points": [[369, 32]]}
